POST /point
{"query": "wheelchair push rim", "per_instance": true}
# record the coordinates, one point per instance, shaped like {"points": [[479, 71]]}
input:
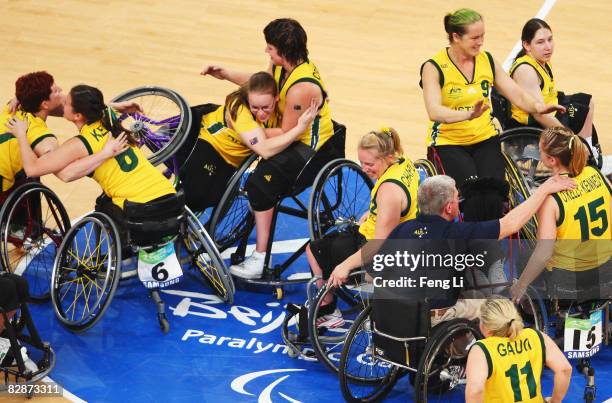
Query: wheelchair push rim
{"points": [[162, 127], [86, 272], [28, 249]]}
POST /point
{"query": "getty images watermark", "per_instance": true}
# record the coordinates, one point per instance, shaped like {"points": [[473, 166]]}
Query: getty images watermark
{"points": [[424, 269]]}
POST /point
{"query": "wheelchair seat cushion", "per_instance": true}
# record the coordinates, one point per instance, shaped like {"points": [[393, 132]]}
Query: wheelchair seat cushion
{"points": [[148, 223]]}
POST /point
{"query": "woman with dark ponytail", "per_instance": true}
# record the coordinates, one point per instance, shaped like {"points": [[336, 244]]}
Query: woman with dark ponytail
{"points": [[229, 134], [127, 176], [532, 71], [507, 364], [573, 226]]}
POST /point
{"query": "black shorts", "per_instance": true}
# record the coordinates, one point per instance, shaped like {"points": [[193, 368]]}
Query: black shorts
{"points": [[204, 176], [13, 291], [481, 160], [334, 248], [274, 177]]}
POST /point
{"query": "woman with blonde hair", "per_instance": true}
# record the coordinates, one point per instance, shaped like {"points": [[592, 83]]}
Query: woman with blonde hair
{"points": [[573, 225], [393, 200], [507, 364]]}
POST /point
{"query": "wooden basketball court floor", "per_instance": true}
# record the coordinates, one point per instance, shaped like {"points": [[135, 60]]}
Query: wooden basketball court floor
{"points": [[368, 52]]}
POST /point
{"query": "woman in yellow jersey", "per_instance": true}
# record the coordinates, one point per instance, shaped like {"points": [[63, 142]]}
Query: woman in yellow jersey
{"points": [[299, 83], [532, 71], [393, 200], [507, 365], [127, 176], [456, 86], [231, 133], [573, 226]]}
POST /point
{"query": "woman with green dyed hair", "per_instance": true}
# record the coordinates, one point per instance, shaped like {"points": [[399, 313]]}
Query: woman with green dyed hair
{"points": [[456, 86]]}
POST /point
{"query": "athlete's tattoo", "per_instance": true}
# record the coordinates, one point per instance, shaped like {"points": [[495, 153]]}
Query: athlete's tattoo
{"points": [[254, 140], [297, 107]]}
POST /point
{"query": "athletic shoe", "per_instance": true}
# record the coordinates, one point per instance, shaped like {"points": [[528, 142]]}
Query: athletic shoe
{"points": [[251, 268], [332, 320]]}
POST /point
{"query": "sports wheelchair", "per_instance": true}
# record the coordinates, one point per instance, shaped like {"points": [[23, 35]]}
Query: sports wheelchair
{"points": [[522, 144], [300, 331], [33, 223], [18, 364], [579, 322], [340, 194], [88, 265], [377, 353]]}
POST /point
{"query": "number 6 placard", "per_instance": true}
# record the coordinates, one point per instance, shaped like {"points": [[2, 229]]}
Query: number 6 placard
{"points": [[159, 268]]}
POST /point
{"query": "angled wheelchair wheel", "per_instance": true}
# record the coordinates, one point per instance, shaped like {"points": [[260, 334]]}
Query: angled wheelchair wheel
{"points": [[327, 339], [426, 168], [163, 125], [519, 192], [340, 196], [441, 368], [86, 272], [522, 145], [232, 219], [207, 260], [33, 223], [363, 376]]}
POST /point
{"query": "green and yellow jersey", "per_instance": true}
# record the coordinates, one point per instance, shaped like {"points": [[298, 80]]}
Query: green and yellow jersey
{"points": [[321, 129], [10, 157], [223, 134], [404, 174], [547, 86], [127, 176], [584, 218], [515, 367], [459, 93]]}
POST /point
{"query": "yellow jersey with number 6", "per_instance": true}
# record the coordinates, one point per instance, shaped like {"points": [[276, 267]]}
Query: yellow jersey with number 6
{"points": [[515, 367], [127, 176]]}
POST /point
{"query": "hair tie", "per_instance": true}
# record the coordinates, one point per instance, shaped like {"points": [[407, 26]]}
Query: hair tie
{"points": [[510, 323], [571, 143], [387, 131]]}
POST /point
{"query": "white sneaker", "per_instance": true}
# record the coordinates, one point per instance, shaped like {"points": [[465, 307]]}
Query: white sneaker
{"points": [[332, 320], [251, 268]]}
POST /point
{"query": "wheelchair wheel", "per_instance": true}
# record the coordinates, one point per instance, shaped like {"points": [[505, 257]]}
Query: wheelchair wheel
{"points": [[163, 125], [364, 377], [442, 364], [232, 218], [351, 299], [86, 272], [426, 168], [340, 196], [207, 259], [33, 223], [522, 145], [519, 192]]}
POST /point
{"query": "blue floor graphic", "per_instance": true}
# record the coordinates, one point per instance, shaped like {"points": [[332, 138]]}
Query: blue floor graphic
{"points": [[213, 352]]}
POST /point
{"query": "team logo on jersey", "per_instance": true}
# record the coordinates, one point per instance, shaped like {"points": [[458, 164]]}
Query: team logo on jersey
{"points": [[265, 396], [420, 232], [210, 168], [454, 92], [268, 178]]}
